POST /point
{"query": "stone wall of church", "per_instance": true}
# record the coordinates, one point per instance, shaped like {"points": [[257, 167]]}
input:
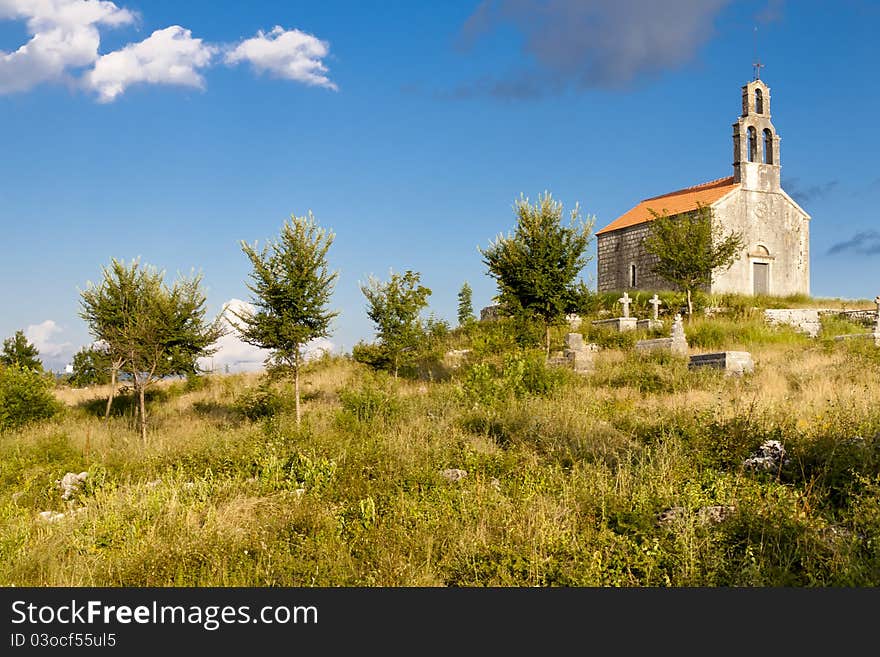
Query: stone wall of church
{"points": [[617, 252], [776, 232]]}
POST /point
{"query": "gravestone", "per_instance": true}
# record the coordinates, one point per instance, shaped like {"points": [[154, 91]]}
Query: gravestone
{"points": [[677, 343], [574, 321], [731, 362], [625, 323], [577, 354], [654, 322]]}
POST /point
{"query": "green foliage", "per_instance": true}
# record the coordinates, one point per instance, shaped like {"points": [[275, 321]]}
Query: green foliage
{"points": [[152, 329], [394, 307], [372, 400], [25, 396], [607, 338], [17, 351], [292, 287], [689, 247], [260, 402], [652, 372], [720, 332], [521, 374], [465, 305], [535, 266], [834, 325], [91, 366], [372, 354]]}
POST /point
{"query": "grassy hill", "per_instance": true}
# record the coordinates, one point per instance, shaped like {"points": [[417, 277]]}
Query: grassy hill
{"points": [[499, 471]]}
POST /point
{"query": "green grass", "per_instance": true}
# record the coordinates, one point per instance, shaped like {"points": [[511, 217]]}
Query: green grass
{"points": [[567, 476]]}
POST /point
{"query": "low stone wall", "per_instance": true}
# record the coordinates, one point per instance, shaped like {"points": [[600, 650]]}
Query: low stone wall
{"points": [[804, 320]]}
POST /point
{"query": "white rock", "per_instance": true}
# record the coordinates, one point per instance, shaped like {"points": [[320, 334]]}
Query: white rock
{"points": [[454, 474]]}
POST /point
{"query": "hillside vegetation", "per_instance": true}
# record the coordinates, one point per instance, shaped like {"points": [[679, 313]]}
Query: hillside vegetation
{"points": [[497, 470]]}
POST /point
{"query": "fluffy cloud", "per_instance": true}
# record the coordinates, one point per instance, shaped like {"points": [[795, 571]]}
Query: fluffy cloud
{"points": [[64, 36], [288, 54], [590, 43], [239, 356], [42, 336], [169, 56]]}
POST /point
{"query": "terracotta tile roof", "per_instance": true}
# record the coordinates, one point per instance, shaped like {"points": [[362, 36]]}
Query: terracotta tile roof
{"points": [[683, 200]]}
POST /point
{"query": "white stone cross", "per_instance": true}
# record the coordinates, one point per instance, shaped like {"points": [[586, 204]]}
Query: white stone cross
{"points": [[678, 327], [625, 301], [655, 301]]}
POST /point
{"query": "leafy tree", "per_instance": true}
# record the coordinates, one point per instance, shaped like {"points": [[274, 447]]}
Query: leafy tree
{"points": [[394, 308], [535, 267], [91, 366], [25, 396], [106, 307], [21, 353], [465, 305], [292, 287], [154, 330], [690, 247]]}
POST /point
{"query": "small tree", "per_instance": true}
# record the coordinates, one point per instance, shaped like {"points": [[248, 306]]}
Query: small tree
{"points": [[689, 248], [535, 267], [91, 366], [465, 305], [292, 287], [394, 308], [19, 352], [154, 330], [25, 396], [105, 308]]}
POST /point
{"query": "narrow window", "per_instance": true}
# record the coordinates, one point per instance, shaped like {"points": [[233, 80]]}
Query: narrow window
{"points": [[753, 144], [768, 146], [759, 101], [632, 275]]}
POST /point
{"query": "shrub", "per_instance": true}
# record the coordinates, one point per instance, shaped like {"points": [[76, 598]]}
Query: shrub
{"points": [[25, 396], [523, 373], [610, 339], [259, 402]]}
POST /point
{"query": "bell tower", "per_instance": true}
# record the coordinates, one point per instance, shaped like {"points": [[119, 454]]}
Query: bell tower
{"points": [[755, 141]]}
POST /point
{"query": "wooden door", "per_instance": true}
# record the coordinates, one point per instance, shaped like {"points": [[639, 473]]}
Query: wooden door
{"points": [[761, 277]]}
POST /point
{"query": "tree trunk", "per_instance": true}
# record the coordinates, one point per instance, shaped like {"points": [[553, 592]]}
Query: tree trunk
{"points": [[113, 370], [296, 388], [690, 305], [143, 414], [547, 339]]}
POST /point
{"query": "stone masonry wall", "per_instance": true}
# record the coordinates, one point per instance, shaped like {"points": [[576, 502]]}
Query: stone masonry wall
{"points": [[616, 252]]}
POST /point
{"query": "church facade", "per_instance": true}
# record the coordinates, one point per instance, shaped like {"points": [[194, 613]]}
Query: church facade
{"points": [[775, 258]]}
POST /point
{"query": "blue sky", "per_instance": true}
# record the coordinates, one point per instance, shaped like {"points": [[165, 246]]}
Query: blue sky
{"points": [[171, 131]]}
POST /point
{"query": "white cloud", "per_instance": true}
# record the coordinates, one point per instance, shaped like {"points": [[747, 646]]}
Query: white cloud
{"points": [[64, 36], [42, 337], [169, 56], [289, 54], [65, 39], [239, 356]]}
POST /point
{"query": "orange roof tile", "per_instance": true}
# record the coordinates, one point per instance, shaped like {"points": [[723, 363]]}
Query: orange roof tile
{"points": [[683, 200]]}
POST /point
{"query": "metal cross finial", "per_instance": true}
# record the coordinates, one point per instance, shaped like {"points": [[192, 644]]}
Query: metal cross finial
{"points": [[758, 66]]}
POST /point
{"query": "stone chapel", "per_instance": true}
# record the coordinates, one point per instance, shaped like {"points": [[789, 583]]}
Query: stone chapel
{"points": [[776, 257]]}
